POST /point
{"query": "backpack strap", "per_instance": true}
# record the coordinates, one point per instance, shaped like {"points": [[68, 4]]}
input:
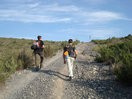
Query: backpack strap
{"points": [[38, 43]]}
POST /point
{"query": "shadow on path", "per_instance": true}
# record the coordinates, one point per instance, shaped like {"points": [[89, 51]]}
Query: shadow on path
{"points": [[54, 73]]}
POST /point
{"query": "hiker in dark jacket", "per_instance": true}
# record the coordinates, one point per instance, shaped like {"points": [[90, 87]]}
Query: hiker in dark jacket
{"points": [[69, 54], [39, 53]]}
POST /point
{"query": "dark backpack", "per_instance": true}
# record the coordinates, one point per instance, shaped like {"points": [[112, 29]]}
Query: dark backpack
{"points": [[36, 45], [71, 50]]}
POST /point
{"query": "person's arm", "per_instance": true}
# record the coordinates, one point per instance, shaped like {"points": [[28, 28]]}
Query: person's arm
{"points": [[43, 46], [76, 54], [64, 58]]}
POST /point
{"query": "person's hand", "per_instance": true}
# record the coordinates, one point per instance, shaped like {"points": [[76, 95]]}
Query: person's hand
{"points": [[64, 62], [43, 46]]}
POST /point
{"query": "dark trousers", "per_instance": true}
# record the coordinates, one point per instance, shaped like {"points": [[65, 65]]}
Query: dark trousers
{"points": [[39, 58]]}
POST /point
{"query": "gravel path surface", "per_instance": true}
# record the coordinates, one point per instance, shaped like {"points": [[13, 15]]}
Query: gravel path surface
{"points": [[91, 80], [28, 84]]}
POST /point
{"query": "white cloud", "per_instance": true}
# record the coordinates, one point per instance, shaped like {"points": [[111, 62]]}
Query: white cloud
{"points": [[14, 15], [38, 12], [33, 5], [105, 15], [56, 7], [101, 17], [53, 7]]}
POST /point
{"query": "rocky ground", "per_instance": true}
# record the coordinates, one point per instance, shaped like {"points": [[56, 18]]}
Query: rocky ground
{"points": [[94, 80], [91, 80]]}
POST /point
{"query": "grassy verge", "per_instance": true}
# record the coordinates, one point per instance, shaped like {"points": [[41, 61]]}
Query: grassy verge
{"points": [[16, 54], [117, 51]]}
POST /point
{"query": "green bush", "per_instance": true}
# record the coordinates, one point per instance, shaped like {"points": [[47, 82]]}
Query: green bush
{"points": [[49, 51], [10, 65], [113, 40], [7, 67], [24, 60], [124, 73], [101, 41], [119, 54], [76, 42], [3, 77], [63, 44]]}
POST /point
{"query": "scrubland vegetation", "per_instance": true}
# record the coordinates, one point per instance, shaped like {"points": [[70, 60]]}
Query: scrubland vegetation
{"points": [[118, 53]]}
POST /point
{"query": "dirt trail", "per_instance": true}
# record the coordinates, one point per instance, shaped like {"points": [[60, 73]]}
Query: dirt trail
{"points": [[59, 86], [21, 79], [91, 80], [23, 84]]}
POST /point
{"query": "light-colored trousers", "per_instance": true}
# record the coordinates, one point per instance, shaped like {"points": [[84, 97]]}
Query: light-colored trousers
{"points": [[70, 61]]}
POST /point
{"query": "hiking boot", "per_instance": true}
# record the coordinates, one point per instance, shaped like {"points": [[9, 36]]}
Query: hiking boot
{"points": [[37, 69], [70, 78], [41, 67]]}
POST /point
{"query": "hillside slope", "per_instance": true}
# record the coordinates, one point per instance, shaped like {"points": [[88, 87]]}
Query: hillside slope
{"points": [[91, 80]]}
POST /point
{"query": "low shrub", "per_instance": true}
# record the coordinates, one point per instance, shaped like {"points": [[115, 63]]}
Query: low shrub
{"points": [[76, 42], [119, 54], [49, 51], [113, 40], [7, 66], [3, 77], [10, 65], [63, 44], [24, 60]]}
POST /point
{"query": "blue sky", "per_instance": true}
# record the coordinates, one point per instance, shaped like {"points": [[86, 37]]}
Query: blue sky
{"points": [[59, 20]]}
